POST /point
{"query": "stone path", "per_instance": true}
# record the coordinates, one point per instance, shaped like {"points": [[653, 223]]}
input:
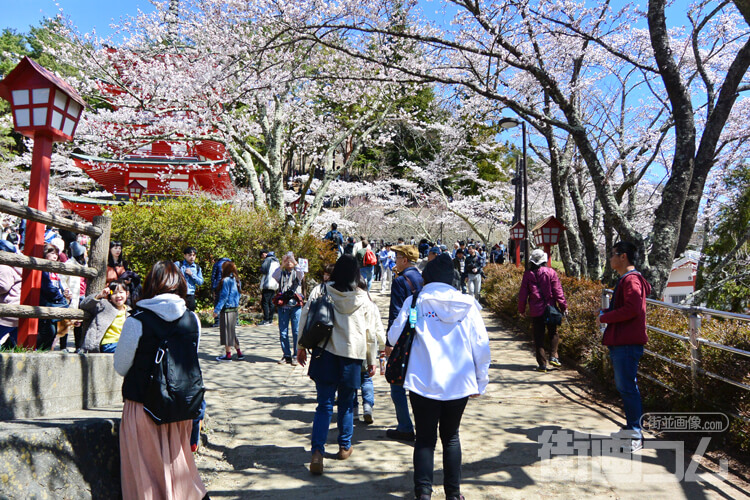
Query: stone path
{"points": [[260, 418]]}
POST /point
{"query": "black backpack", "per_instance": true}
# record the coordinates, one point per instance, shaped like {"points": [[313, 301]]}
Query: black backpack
{"points": [[174, 389]]}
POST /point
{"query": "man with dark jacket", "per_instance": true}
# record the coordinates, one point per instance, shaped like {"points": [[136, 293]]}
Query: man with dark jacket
{"points": [[407, 283], [473, 272], [625, 337], [268, 285]]}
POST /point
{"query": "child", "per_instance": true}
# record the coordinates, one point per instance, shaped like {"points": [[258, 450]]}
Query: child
{"points": [[109, 315]]}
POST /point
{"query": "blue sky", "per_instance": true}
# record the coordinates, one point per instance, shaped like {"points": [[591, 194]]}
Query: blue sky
{"points": [[95, 14]]}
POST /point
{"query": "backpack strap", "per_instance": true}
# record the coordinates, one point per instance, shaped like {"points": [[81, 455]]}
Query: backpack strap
{"points": [[411, 285]]}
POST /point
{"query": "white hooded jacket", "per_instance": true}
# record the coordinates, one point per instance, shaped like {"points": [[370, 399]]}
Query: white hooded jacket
{"points": [[167, 306], [450, 356], [357, 327]]}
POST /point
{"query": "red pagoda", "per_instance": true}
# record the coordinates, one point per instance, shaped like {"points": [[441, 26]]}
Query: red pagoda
{"points": [[160, 169]]}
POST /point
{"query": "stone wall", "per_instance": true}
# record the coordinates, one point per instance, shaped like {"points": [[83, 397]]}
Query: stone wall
{"points": [[51, 383]]}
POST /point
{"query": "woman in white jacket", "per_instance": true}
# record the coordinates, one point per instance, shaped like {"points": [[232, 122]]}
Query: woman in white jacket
{"points": [[449, 363], [336, 365]]}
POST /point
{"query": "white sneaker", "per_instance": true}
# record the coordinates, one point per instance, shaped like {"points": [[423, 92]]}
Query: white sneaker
{"points": [[367, 410], [633, 446], [626, 434]]}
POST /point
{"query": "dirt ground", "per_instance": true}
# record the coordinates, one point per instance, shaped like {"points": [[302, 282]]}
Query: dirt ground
{"points": [[531, 435]]}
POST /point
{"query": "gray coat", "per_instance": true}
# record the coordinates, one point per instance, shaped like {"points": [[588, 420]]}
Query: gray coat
{"points": [[103, 313]]}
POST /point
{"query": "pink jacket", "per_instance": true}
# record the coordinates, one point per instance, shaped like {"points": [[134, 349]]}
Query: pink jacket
{"points": [[541, 288], [10, 291]]}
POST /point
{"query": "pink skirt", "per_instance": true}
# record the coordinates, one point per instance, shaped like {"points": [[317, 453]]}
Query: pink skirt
{"points": [[155, 460]]}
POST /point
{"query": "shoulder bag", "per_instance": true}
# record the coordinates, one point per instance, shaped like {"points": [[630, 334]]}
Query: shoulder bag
{"points": [[398, 361]]}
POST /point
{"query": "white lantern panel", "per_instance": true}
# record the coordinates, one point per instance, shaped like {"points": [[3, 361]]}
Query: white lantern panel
{"points": [[22, 118], [40, 96], [20, 98], [40, 117], [546, 238], [68, 127], [56, 119], [555, 230], [74, 109], [61, 98]]}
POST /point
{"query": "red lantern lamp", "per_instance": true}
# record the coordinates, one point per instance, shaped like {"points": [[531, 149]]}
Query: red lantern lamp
{"points": [[547, 233], [517, 234], [47, 109]]}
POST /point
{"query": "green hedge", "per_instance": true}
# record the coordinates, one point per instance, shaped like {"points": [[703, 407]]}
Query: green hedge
{"points": [[150, 233], [580, 345]]}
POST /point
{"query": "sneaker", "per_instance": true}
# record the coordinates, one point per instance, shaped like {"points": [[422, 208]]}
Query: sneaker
{"points": [[632, 446], [194, 447], [367, 410], [626, 434], [284, 360], [294, 362], [316, 463], [226, 357], [400, 435], [344, 453], [555, 362], [542, 369], [240, 356]]}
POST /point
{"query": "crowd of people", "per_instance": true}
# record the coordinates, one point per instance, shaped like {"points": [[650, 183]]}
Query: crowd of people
{"points": [[434, 289]]}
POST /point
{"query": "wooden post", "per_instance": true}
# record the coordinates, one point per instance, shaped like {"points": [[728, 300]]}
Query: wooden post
{"points": [[99, 253]]}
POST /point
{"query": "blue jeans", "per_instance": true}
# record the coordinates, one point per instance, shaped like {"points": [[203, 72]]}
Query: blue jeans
{"points": [[368, 390], [108, 348], [195, 430], [324, 412], [286, 314], [398, 396], [625, 359], [366, 273]]}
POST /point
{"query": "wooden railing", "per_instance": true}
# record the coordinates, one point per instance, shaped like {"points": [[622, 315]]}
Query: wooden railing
{"points": [[95, 272]]}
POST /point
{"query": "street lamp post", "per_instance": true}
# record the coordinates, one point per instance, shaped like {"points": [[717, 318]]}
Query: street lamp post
{"points": [[46, 109], [508, 123]]}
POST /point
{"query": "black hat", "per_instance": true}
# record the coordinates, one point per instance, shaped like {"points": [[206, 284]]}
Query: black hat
{"points": [[439, 269]]}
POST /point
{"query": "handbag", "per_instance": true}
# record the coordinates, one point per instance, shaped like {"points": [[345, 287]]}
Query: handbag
{"points": [[552, 316], [319, 324], [398, 361]]}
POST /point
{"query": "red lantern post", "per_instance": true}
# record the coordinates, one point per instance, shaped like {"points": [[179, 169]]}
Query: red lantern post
{"points": [[47, 109], [546, 234], [517, 234]]}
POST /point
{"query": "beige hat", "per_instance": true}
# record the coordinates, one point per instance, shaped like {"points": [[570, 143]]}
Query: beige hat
{"points": [[538, 257], [409, 251]]}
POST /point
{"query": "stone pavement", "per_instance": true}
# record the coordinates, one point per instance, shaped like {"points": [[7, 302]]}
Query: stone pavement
{"points": [[260, 418]]}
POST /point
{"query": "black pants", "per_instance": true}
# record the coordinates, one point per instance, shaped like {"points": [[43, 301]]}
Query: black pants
{"points": [[266, 304], [190, 302], [427, 414], [46, 334], [554, 339]]}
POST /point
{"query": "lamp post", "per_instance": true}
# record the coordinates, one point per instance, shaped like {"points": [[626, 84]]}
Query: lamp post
{"points": [[518, 233], [47, 109], [508, 123], [135, 190], [546, 234]]}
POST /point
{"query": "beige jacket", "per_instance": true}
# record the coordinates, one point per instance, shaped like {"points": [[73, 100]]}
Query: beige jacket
{"points": [[357, 328]]}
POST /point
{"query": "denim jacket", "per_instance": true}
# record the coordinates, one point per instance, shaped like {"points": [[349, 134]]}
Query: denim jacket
{"points": [[193, 281], [229, 295]]}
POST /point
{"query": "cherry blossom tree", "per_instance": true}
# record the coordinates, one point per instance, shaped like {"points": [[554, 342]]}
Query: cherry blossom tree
{"points": [[510, 51]]}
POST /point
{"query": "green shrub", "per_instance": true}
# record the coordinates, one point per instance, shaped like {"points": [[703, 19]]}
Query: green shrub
{"points": [[150, 233], [580, 344]]}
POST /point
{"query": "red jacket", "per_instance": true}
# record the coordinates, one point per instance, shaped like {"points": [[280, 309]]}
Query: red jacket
{"points": [[538, 285], [626, 317]]}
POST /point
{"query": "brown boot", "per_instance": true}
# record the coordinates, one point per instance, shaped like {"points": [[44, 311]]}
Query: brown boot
{"points": [[344, 453], [316, 464]]}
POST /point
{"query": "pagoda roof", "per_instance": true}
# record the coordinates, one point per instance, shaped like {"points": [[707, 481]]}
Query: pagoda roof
{"points": [[151, 161]]}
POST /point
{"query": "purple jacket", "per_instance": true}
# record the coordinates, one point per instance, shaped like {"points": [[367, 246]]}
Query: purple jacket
{"points": [[541, 288]]}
